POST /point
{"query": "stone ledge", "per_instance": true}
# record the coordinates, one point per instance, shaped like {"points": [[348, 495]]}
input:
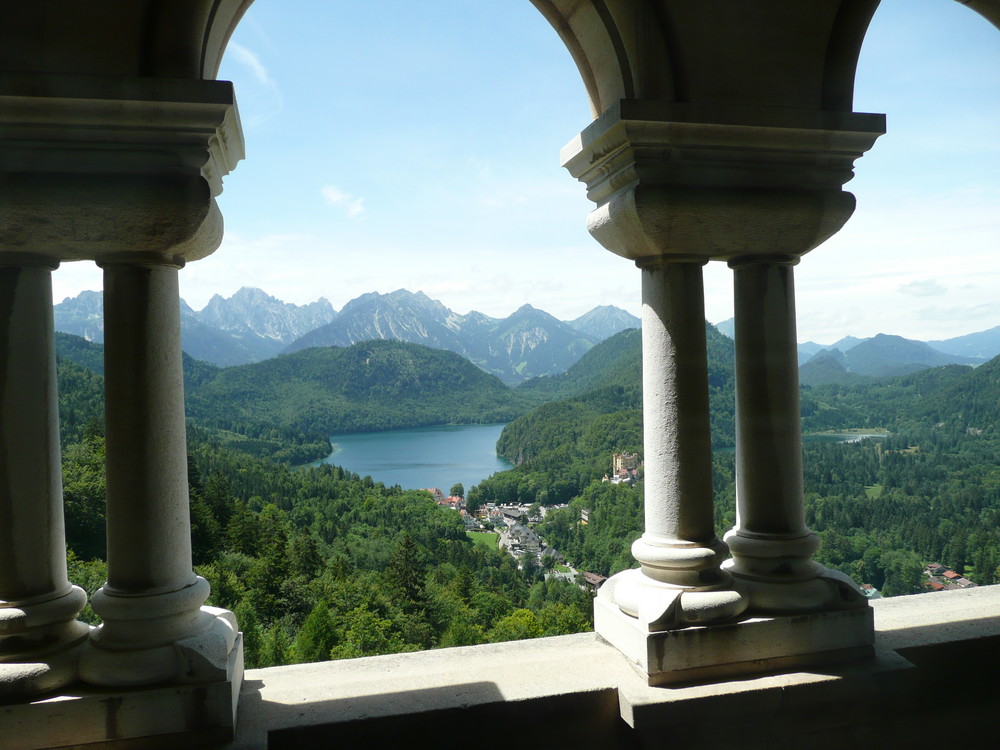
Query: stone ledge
{"points": [[164, 716], [724, 652], [578, 691], [576, 688]]}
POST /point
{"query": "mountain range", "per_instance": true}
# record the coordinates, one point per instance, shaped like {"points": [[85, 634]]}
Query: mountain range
{"points": [[852, 359], [252, 326], [882, 356]]}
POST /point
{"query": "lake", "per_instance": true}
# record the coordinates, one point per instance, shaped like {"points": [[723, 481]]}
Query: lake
{"points": [[421, 457], [843, 437]]}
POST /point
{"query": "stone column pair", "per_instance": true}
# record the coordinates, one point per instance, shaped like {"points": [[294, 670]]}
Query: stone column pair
{"points": [[677, 186], [684, 577], [155, 628], [131, 186]]}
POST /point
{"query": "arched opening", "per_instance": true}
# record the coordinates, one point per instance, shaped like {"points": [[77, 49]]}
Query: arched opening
{"points": [[919, 254], [390, 149], [144, 294]]}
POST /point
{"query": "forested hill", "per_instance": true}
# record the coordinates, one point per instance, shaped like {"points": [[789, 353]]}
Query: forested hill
{"points": [[607, 380], [616, 361], [373, 385], [561, 447], [952, 398], [286, 408]]}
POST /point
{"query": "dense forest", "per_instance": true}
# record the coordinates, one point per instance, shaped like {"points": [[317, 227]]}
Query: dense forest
{"points": [[562, 447], [320, 563], [928, 490], [316, 563]]}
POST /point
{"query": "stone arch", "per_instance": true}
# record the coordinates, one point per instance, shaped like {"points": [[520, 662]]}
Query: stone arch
{"points": [[149, 38], [800, 55], [988, 9]]}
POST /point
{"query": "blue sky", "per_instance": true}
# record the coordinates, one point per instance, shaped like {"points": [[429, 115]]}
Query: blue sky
{"points": [[388, 149]]}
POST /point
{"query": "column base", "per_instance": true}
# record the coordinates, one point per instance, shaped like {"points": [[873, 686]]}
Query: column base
{"points": [[24, 679], [167, 716], [662, 606], [830, 591], [781, 578], [40, 645], [706, 653], [200, 658]]}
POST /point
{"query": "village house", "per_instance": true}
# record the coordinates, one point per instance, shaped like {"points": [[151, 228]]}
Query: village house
{"points": [[521, 540], [624, 468], [942, 578], [593, 581]]}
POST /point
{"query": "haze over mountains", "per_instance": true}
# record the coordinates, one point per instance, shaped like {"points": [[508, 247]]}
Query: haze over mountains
{"points": [[252, 326], [882, 356]]}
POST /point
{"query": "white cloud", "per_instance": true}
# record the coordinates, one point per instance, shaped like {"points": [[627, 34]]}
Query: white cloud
{"points": [[75, 276], [354, 207], [925, 288], [259, 96], [250, 59]]}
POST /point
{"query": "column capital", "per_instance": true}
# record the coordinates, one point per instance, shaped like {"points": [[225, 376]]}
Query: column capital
{"points": [[30, 260], [141, 258], [93, 165], [756, 260], [715, 180], [652, 261]]}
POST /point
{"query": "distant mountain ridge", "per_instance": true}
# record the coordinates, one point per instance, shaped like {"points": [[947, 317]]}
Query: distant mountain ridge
{"points": [[881, 356], [252, 326], [266, 323], [851, 359], [981, 345], [526, 344], [248, 327], [605, 321]]}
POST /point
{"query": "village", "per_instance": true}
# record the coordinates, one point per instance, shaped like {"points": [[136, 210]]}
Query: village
{"points": [[942, 578], [513, 524]]}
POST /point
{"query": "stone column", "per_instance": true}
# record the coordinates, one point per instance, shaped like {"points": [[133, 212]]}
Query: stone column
{"points": [[39, 633], [676, 185], [679, 582], [772, 548], [123, 171], [155, 628]]}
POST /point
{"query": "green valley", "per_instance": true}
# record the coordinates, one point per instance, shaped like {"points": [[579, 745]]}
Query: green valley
{"points": [[321, 562]]}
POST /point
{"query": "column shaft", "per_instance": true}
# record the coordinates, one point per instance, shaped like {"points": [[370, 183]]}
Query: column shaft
{"points": [[38, 606], [771, 545], [680, 581], [155, 628], [769, 438], [149, 529], [677, 441]]}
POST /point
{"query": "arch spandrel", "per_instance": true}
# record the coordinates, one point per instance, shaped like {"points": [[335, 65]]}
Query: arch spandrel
{"points": [[130, 38], [778, 53], [988, 9]]}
